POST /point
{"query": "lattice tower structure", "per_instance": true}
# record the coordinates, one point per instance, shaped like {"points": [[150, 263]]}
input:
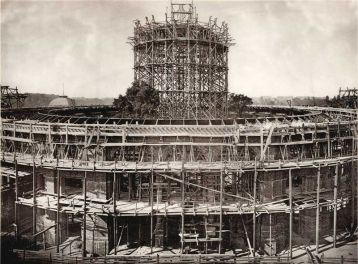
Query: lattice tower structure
{"points": [[186, 61], [349, 97], [11, 98]]}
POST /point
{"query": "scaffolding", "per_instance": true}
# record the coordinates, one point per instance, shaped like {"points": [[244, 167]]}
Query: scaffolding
{"points": [[348, 97], [200, 183], [186, 61], [193, 181], [11, 98]]}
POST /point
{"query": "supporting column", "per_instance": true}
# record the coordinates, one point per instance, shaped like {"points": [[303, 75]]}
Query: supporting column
{"points": [[335, 206], [270, 234], [114, 211], [318, 207], [291, 211], [354, 190], [329, 142], [221, 208], [182, 211], [254, 213], [34, 201], [58, 212], [94, 218], [16, 197], [84, 214], [151, 210], [206, 234]]}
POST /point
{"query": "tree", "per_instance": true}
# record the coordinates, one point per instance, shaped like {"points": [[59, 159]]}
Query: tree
{"points": [[238, 103], [141, 101]]}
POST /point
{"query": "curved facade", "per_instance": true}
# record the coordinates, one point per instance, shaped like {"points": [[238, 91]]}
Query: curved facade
{"points": [[191, 185]]}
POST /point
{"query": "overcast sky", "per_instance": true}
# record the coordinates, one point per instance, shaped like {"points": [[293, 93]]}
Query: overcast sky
{"points": [[288, 48]]}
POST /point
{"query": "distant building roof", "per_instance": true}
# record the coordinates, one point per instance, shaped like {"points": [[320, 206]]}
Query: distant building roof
{"points": [[62, 101]]}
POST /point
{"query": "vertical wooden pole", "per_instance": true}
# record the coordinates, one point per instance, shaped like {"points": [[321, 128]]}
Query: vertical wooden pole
{"points": [[114, 210], [34, 201], [254, 213], [43, 241], [119, 177], [335, 206], [129, 186], [84, 214], [182, 210], [291, 210], [221, 207], [262, 154], [93, 230], [16, 197], [270, 234], [318, 207], [58, 212], [151, 211], [329, 142], [206, 234], [354, 190]]}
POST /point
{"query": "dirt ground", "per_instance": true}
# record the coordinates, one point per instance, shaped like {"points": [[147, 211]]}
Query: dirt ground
{"points": [[346, 249]]}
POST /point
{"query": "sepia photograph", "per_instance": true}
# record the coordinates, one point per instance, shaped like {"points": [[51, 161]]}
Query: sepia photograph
{"points": [[179, 131]]}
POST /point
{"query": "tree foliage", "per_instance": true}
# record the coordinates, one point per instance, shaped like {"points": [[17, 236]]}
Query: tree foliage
{"points": [[334, 102], [140, 101], [238, 103]]}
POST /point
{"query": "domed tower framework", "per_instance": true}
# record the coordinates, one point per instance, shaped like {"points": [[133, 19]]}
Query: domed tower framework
{"points": [[186, 61]]}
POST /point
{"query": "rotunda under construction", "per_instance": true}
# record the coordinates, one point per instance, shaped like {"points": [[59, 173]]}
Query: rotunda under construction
{"points": [[79, 184]]}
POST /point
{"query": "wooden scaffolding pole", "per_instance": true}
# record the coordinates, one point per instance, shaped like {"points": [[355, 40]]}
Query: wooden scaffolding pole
{"points": [[318, 208], [114, 210], [291, 211], [354, 190], [16, 198], [270, 234], [221, 207], [335, 206], [58, 212], [182, 211], [254, 213], [34, 201], [84, 214], [151, 209]]}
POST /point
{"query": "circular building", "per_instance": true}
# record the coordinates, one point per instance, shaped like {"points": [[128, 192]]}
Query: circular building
{"points": [[195, 182], [195, 185], [62, 101]]}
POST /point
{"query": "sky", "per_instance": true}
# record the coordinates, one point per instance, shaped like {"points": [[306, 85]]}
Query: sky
{"points": [[282, 48]]}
